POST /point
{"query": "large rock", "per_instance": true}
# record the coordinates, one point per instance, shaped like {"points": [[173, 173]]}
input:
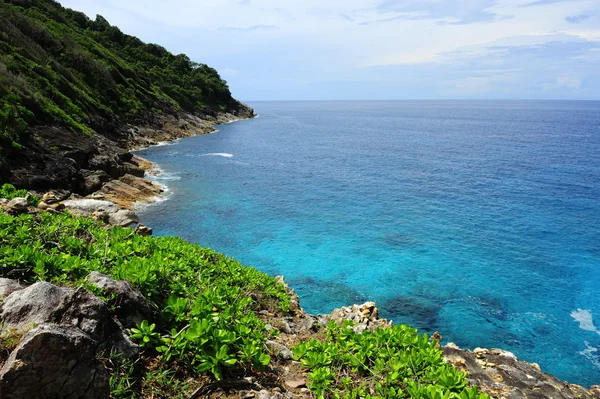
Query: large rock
{"points": [[366, 317], [33, 305], [17, 205], [43, 303], [91, 315], [89, 206], [54, 362], [501, 375], [129, 305], [123, 218], [8, 286]]}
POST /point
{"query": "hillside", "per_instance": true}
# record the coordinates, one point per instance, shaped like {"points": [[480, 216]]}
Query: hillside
{"points": [[75, 93]]}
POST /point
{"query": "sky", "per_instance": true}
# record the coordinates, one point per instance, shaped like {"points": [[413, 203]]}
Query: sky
{"points": [[377, 49]]}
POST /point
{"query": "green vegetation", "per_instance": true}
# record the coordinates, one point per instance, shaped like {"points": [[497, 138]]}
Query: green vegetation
{"points": [[386, 363], [59, 67], [204, 302], [8, 191]]}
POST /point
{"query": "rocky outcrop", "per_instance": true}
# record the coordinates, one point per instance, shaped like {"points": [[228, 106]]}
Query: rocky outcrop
{"points": [[8, 286], [54, 362], [501, 375], [130, 306], [58, 158], [65, 331], [93, 207], [17, 205], [45, 303], [89, 206], [366, 317]]}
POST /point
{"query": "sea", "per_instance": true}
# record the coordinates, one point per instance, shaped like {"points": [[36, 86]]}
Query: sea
{"points": [[477, 219]]}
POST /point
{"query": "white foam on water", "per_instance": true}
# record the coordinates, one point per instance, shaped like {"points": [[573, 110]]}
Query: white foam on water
{"points": [[168, 142], [586, 322], [218, 154], [590, 352], [157, 173]]}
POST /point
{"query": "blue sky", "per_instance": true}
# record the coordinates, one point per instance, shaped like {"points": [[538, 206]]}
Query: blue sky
{"points": [[377, 49]]}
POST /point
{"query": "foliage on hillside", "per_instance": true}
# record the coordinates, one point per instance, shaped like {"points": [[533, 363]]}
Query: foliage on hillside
{"points": [[391, 362], [203, 302], [59, 67]]}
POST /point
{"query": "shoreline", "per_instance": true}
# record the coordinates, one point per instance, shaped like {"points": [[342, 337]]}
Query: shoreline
{"points": [[134, 192]]}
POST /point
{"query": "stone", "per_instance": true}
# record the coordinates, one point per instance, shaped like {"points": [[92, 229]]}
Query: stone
{"points": [[91, 315], [280, 350], [143, 230], [101, 216], [54, 362], [130, 305], [17, 205], [297, 383], [52, 197], [43, 303], [501, 375], [59, 207], [285, 328], [8, 286], [264, 394], [33, 305], [91, 183], [89, 206], [123, 218]]}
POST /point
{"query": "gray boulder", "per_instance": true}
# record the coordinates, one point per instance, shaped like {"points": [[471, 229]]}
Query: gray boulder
{"points": [[17, 205], [123, 218], [130, 305], [280, 350], [33, 305], [91, 315], [90, 206], [54, 362], [8, 286], [43, 303]]}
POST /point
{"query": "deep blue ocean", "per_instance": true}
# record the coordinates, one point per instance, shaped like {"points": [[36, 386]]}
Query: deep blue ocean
{"points": [[478, 219]]}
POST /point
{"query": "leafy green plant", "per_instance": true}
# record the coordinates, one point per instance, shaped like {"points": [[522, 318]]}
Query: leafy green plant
{"points": [[391, 362], [145, 334], [9, 192]]}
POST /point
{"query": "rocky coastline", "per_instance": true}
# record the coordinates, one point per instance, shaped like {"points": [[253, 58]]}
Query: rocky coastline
{"points": [[86, 173], [57, 158]]}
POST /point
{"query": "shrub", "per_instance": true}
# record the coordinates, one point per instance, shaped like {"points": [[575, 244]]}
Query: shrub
{"points": [[391, 362], [8, 191]]}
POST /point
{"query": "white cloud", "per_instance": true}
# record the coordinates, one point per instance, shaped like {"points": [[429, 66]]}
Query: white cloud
{"points": [[315, 41], [568, 82]]}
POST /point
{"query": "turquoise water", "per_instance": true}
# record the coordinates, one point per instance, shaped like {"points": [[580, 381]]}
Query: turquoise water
{"points": [[477, 219]]}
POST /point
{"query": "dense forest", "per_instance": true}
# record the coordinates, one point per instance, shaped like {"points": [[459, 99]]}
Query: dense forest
{"points": [[60, 68]]}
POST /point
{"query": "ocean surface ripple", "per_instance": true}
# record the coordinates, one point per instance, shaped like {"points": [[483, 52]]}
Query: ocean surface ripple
{"points": [[479, 219]]}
